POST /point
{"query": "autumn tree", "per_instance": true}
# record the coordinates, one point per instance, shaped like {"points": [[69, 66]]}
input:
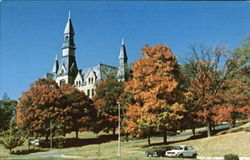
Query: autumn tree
{"points": [[78, 108], [108, 92], [190, 120], [212, 68], [236, 96], [7, 111], [39, 107], [155, 91]]}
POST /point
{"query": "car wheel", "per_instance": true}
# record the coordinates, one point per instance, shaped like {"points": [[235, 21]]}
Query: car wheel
{"points": [[194, 155], [181, 155]]}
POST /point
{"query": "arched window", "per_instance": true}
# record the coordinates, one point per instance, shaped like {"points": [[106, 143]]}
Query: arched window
{"points": [[62, 81]]}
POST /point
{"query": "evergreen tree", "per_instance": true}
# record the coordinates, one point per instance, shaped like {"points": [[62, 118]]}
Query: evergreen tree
{"points": [[7, 111], [12, 137]]}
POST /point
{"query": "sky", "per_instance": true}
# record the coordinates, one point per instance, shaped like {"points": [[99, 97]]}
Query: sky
{"points": [[31, 32]]}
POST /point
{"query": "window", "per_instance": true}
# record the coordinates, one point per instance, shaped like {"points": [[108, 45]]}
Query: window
{"points": [[62, 81], [93, 92], [62, 71], [88, 92]]}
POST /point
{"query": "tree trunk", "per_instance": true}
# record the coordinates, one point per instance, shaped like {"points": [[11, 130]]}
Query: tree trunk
{"points": [[126, 137], [149, 144], [165, 137], [208, 129], [230, 126], [77, 131], [193, 131], [234, 122], [114, 131], [47, 137], [213, 127]]}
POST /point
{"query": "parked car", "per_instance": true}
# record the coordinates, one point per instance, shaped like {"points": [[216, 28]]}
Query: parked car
{"points": [[158, 151], [182, 151]]}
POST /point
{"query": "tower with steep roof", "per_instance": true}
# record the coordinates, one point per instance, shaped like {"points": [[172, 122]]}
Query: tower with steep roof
{"points": [[122, 73], [68, 68], [55, 66], [84, 79]]}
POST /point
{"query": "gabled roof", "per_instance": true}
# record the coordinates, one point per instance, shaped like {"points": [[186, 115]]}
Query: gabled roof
{"points": [[79, 75], [101, 71], [90, 71]]}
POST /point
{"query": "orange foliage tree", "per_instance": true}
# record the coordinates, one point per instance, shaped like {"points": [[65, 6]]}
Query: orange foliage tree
{"points": [[46, 103], [235, 99], [154, 88], [39, 106], [213, 68]]}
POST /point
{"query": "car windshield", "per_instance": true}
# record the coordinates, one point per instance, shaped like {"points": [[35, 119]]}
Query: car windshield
{"points": [[177, 148]]}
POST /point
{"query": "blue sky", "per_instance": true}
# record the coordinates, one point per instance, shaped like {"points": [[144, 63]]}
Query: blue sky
{"points": [[32, 32]]}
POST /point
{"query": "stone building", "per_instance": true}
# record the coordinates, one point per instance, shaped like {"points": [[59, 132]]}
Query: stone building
{"points": [[66, 71]]}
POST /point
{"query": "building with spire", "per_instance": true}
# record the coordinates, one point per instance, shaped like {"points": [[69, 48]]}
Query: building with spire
{"points": [[84, 79]]}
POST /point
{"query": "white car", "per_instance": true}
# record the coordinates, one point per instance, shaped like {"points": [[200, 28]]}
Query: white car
{"points": [[182, 151]]}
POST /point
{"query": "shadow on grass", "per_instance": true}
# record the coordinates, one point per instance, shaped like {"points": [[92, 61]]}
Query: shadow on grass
{"points": [[203, 134], [73, 142], [26, 151]]}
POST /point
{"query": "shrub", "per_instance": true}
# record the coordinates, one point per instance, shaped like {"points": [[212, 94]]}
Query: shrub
{"points": [[231, 157]]}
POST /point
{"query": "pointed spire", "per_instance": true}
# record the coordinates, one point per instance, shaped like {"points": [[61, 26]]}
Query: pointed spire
{"points": [[123, 54], [55, 66], [123, 41], [69, 27], [123, 63]]}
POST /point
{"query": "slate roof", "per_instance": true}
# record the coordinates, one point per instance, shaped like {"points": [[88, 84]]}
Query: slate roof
{"points": [[101, 71], [49, 76], [69, 27]]}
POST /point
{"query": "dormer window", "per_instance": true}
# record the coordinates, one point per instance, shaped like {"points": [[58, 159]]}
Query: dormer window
{"points": [[62, 71], [66, 37]]}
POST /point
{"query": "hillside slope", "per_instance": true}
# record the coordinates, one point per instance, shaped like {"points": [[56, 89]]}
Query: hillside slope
{"points": [[236, 141]]}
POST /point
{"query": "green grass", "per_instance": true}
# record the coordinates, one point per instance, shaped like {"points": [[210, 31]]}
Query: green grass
{"points": [[234, 141]]}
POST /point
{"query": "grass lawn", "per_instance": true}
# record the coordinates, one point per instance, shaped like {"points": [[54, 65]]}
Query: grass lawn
{"points": [[236, 141]]}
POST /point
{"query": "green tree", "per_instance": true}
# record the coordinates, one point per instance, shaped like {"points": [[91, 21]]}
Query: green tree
{"points": [[191, 120], [12, 137], [7, 111], [242, 53], [79, 109], [108, 92]]}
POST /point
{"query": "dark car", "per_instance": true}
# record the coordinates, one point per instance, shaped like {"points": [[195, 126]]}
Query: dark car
{"points": [[158, 151]]}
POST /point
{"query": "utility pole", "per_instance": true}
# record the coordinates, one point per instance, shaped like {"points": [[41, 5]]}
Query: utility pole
{"points": [[119, 128], [50, 135]]}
